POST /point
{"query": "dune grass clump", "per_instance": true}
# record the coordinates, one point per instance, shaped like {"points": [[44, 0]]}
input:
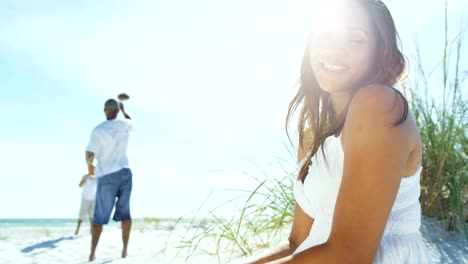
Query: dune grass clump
{"points": [[438, 99], [262, 220]]}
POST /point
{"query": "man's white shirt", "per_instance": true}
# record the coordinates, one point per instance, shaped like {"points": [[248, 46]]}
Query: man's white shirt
{"points": [[109, 142]]}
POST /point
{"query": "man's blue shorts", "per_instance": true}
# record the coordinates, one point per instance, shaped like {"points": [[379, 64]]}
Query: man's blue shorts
{"points": [[117, 185]]}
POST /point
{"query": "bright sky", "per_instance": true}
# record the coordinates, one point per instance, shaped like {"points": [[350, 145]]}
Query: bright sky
{"points": [[209, 82]]}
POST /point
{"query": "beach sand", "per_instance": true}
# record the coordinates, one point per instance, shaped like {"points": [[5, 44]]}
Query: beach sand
{"points": [[158, 242]]}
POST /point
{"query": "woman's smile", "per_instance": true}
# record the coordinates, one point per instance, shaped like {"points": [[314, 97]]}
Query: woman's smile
{"points": [[333, 67]]}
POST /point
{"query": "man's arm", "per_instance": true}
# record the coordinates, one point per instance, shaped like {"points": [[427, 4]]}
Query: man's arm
{"points": [[89, 162], [123, 111]]}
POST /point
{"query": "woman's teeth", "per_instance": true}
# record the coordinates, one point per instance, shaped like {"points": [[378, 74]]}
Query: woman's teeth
{"points": [[332, 67]]}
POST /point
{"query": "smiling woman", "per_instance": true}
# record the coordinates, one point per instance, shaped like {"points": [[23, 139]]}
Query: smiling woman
{"points": [[359, 148], [341, 53]]}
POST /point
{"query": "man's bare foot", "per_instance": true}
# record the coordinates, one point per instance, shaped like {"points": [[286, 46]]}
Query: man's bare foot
{"points": [[92, 258], [124, 253]]}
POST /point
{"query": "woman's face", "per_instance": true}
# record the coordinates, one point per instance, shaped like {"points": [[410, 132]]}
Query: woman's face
{"points": [[342, 47]]}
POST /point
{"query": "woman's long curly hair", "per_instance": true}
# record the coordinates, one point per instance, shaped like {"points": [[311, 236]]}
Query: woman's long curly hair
{"points": [[316, 113]]}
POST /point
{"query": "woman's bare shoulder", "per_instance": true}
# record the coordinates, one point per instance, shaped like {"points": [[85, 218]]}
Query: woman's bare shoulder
{"points": [[377, 102]]}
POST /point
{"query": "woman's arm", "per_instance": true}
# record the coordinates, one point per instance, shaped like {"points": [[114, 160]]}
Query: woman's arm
{"points": [[281, 251], [302, 224], [375, 154], [299, 232]]}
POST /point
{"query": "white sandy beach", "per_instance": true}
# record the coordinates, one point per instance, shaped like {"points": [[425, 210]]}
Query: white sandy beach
{"points": [[157, 243], [149, 243]]}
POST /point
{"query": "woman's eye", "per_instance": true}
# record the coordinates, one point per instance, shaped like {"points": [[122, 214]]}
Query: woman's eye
{"points": [[356, 41], [356, 37]]}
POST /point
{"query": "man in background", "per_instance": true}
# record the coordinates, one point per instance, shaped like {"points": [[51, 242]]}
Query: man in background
{"points": [[108, 145], [88, 196]]}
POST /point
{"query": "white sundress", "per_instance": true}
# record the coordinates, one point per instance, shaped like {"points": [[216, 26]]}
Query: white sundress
{"points": [[402, 241]]}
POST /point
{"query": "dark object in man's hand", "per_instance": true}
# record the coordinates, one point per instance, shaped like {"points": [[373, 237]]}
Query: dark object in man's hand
{"points": [[123, 97]]}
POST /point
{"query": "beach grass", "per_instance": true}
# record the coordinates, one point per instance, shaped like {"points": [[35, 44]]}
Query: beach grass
{"points": [[152, 220], [262, 220], [439, 103], [47, 232]]}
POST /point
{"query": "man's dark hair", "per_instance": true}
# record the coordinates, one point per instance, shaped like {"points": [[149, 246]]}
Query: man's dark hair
{"points": [[111, 104]]}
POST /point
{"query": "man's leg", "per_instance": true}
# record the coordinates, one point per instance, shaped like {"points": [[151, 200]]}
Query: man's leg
{"points": [[126, 226], [122, 209], [97, 229], [78, 226], [105, 198]]}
